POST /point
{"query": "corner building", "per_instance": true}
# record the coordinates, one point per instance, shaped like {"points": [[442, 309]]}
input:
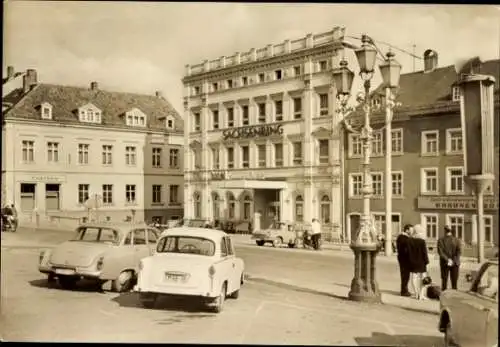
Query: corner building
{"points": [[262, 135]]}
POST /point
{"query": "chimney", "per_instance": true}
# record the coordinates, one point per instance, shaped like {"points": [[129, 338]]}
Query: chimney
{"points": [[430, 60], [10, 72], [159, 94], [94, 86], [29, 80]]}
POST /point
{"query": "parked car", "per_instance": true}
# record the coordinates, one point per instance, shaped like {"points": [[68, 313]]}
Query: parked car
{"points": [[192, 262], [471, 318], [279, 233], [101, 252]]}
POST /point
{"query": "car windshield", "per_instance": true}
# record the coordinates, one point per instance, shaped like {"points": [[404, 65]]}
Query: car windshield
{"points": [[186, 244], [96, 234]]}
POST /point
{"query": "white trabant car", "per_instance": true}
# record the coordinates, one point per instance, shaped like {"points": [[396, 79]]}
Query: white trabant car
{"points": [[470, 319], [195, 262]]}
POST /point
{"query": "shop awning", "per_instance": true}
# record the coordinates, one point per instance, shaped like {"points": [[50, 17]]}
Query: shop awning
{"points": [[249, 184]]}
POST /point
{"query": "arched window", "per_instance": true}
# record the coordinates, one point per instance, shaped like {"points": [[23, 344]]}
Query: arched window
{"points": [[247, 208], [299, 208], [325, 209], [231, 205], [216, 206], [197, 205]]}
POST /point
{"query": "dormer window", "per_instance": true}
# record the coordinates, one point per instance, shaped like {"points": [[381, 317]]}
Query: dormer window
{"points": [[46, 110], [375, 102], [170, 122], [455, 93], [135, 117], [89, 114]]}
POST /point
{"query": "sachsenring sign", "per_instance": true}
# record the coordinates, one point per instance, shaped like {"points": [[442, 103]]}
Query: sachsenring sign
{"points": [[252, 131]]}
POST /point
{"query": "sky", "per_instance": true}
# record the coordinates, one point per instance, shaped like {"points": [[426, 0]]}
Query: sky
{"points": [[142, 47]]}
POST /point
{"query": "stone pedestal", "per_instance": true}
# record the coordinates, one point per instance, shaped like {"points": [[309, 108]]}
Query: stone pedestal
{"points": [[364, 286]]}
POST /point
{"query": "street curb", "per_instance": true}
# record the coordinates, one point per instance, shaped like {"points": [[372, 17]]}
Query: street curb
{"points": [[387, 299]]}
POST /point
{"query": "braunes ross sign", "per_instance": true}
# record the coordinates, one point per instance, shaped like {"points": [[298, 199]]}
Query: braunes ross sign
{"points": [[455, 203], [252, 131]]}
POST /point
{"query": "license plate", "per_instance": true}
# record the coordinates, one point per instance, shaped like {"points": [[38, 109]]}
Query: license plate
{"points": [[174, 278], [65, 271]]}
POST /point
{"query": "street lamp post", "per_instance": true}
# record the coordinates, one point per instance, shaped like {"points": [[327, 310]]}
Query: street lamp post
{"points": [[364, 286]]}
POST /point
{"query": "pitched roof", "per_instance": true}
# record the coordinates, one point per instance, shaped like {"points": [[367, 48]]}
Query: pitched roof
{"points": [[430, 91], [65, 100]]}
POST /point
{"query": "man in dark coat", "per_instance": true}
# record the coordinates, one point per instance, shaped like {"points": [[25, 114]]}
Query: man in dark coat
{"points": [[449, 250], [403, 247]]}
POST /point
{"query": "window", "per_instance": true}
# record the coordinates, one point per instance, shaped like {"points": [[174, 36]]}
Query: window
{"points": [[107, 154], [454, 142], [215, 119], [83, 193], [324, 150], [197, 205], [170, 123], [231, 205], [377, 143], [230, 117], [297, 153], [28, 193], [429, 180], [325, 209], [247, 208], [323, 105], [107, 194], [262, 77], [156, 157], [377, 184], [278, 74], [46, 112], [355, 145], [230, 157], [245, 115], [53, 152], [215, 86], [90, 115], [379, 222], [174, 158], [456, 223], [261, 150], [130, 155], [278, 154], [430, 223], [488, 229], [83, 153], [229, 84], [355, 185], [323, 65], [174, 194], [215, 158], [454, 180], [230, 248], [130, 193], [197, 121], [296, 70], [157, 194], [297, 108], [197, 90], [262, 113], [245, 156], [244, 80], [455, 93], [133, 120], [28, 151], [278, 108], [397, 183], [223, 247], [397, 140], [152, 237], [430, 142], [299, 208], [197, 157], [216, 205]]}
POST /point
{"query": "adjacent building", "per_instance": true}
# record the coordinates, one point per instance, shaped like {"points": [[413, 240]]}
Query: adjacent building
{"points": [[428, 183], [73, 152], [262, 135]]}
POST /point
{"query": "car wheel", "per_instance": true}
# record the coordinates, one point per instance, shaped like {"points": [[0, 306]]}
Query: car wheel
{"points": [[291, 245], [67, 282], [277, 241], [148, 300], [219, 302], [259, 243], [123, 282]]}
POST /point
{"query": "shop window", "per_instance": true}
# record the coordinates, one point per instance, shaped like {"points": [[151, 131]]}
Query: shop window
{"points": [[28, 196], [52, 196]]}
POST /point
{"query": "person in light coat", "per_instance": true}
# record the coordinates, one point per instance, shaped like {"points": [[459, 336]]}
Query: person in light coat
{"points": [[316, 233]]}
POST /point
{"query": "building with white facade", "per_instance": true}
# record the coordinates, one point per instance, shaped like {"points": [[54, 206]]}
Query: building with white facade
{"points": [[72, 152], [262, 135]]}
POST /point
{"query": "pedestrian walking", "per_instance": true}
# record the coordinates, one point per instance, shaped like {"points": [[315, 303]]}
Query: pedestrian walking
{"points": [[449, 250], [402, 247], [419, 259], [316, 233]]}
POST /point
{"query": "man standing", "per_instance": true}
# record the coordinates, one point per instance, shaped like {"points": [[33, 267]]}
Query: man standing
{"points": [[403, 249], [316, 233], [449, 250]]}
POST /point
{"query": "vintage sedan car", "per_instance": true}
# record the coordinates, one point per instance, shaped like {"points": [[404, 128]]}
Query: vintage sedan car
{"points": [[193, 262], [101, 252], [277, 234], [471, 318]]}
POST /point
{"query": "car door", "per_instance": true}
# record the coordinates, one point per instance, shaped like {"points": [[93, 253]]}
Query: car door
{"points": [[224, 264], [233, 268], [152, 240], [480, 306], [141, 246]]}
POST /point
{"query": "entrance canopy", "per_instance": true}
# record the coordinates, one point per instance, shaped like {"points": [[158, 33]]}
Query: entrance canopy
{"points": [[249, 184]]}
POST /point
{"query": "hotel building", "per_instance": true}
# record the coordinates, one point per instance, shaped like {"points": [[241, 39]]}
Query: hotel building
{"points": [[72, 152], [428, 185], [261, 135]]}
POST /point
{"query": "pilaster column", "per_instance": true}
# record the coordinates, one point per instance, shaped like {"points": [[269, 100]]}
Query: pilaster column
{"points": [[287, 114], [269, 154], [187, 160], [283, 214], [188, 200], [237, 156], [474, 229], [308, 109], [205, 152], [269, 110], [287, 150], [253, 155], [309, 206]]}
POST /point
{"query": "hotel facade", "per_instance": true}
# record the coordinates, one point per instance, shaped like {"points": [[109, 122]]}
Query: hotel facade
{"points": [[73, 152], [262, 135]]}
